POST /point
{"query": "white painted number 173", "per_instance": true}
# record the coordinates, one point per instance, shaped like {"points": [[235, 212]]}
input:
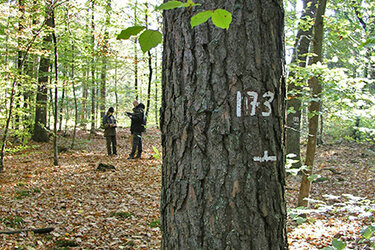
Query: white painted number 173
{"points": [[249, 102]]}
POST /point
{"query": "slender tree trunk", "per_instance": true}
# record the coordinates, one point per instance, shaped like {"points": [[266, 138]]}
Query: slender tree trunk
{"points": [[73, 85], [149, 70], [222, 129], [320, 138], [135, 70], [93, 82], [84, 98], [62, 106], [135, 55], [314, 107], [51, 105], [55, 151], [156, 90], [105, 62], [21, 8], [67, 116], [301, 48], [7, 40], [40, 133], [97, 109], [75, 101], [103, 87], [116, 90], [63, 92], [149, 82]]}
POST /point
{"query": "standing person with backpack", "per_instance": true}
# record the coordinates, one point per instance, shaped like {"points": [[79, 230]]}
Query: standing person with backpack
{"points": [[109, 124], [136, 128]]}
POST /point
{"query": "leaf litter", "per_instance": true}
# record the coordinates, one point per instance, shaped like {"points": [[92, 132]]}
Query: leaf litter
{"points": [[119, 209]]}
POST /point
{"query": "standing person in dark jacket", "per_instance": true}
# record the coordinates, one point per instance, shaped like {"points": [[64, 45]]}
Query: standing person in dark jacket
{"points": [[109, 124], [136, 128]]}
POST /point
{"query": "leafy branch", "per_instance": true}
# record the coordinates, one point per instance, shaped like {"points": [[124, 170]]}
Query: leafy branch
{"points": [[149, 39]]}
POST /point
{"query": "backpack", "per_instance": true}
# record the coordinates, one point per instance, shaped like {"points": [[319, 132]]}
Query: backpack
{"points": [[144, 122]]}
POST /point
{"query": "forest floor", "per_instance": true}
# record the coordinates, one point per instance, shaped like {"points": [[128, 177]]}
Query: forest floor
{"points": [[119, 209]]}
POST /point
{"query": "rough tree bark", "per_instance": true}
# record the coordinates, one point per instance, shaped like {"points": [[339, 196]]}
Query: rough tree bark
{"points": [[222, 129], [314, 107], [301, 48]]}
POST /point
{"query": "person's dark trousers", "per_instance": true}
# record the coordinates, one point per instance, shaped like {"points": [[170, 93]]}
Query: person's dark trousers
{"points": [[111, 140], [137, 144]]}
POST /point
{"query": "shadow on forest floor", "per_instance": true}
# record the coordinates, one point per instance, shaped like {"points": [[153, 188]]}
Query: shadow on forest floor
{"points": [[120, 208]]}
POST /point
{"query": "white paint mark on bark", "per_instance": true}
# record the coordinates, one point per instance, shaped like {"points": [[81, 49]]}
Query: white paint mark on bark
{"points": [[268, 103], [239, 103], [254, 103], [247, 103], [265, 158]]}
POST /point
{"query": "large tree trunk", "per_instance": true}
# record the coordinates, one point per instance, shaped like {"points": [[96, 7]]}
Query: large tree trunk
{"points": [[314, 107], [301, 48], [222, 121], [40, 132]]}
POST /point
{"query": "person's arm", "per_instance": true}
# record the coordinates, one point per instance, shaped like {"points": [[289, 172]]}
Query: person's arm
{"points": [[137, 116]]}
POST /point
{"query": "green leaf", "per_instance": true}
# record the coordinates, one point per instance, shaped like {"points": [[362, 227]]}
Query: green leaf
{"points": [[300, 220], [200, 18], [157, 154], [2, 29], [222, 18], [131, 31], [366, 233], [338, 244], [291, 111], [370, 42], [313, 177], [150, 39], [190, 3], [170, 5]]}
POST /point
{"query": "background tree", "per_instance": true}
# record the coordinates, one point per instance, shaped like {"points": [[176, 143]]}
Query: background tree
{"points": [[40, 133], [299, 57], [314, 107]]}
